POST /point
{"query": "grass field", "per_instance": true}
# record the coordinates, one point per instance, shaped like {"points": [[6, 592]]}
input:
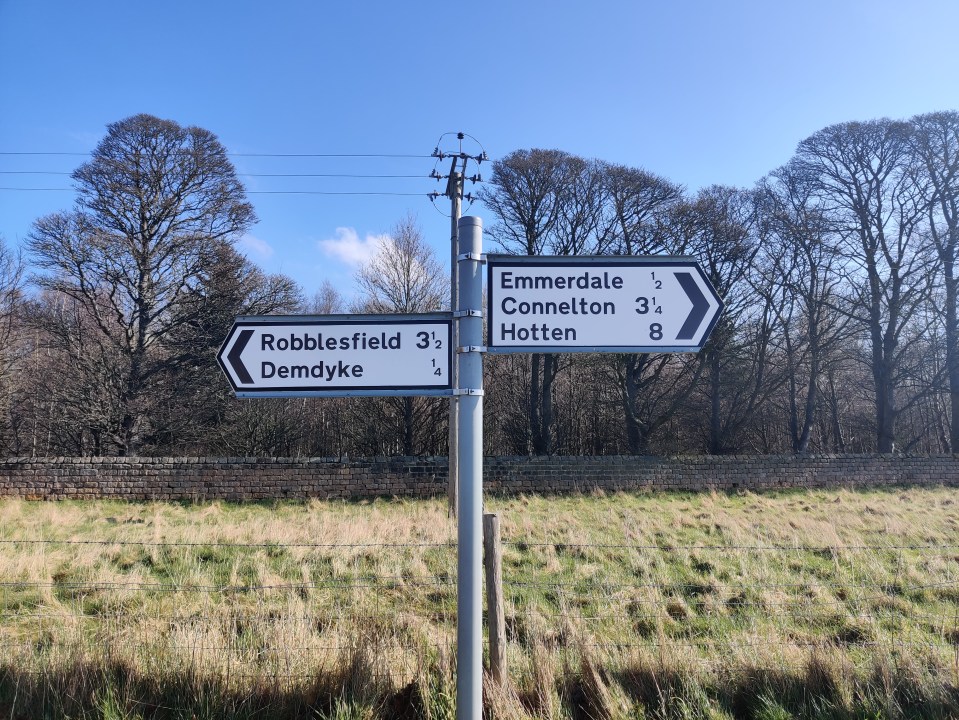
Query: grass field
{"points": [[825, 604]]}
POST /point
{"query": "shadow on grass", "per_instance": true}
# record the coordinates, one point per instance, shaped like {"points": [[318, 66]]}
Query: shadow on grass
{"points": [[117, 692], [823, 687]]}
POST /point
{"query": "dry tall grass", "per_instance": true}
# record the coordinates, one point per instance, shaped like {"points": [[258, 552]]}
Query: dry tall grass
{"points": [[834, 604]]}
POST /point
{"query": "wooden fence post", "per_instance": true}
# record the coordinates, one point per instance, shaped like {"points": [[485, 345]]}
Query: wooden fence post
{"points": [[495, 613]]}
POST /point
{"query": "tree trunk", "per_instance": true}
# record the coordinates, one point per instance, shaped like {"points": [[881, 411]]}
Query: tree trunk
{"points": [[633, 431], [637, 439], [882, 349], [838, 441], [536, 441], [952, 353], [812, 400], [129, 436], [550, 365], [793, 405], [885, 400], [715, 418], [408, 448]]}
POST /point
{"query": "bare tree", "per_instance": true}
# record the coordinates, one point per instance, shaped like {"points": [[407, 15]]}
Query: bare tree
{"points": [[77, 380], [797, 272], [861, 173], [580, 228], [12, 342], [639, 210], [404, 276], [196, 399], [154, 203], [718, 227], [326, 301], [935, 150], [524, 195], [532, 193]]}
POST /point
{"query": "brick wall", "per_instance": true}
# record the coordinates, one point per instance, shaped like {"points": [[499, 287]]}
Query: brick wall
{"points": [[265, 478]]}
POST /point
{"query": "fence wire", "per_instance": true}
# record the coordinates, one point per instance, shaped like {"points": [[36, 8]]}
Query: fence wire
{"points": [[256, 610]]}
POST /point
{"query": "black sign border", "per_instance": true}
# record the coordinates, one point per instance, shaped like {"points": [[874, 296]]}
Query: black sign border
{"points": [[439, 390], [593, 261]]}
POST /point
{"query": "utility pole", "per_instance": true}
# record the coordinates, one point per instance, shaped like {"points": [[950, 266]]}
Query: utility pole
{"points": [[456, 180], [454, 191]]}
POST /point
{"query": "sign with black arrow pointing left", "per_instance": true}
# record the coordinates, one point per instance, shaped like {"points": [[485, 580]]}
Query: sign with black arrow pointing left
{"points": [[598, 304], [338, 355]]}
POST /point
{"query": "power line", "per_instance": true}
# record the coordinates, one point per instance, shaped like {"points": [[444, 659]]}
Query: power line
{"points": [[256, 175], [248, 192], [263, 155], [44, 153], [325, 175], [327, 155], [330, 192]]}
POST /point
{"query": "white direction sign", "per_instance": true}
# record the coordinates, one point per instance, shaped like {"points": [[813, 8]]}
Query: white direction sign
{"points": [[598, 304], [338, 355]]}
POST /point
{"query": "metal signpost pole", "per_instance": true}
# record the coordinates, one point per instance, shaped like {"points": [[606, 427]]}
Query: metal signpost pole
{"points": [[469, 629]]}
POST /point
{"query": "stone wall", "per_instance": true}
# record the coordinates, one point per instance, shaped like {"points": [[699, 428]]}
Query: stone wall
{"points": [[267, 478]]}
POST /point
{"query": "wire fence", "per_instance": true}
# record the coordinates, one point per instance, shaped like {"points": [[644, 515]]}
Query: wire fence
{"points": [[287, 610], [239, 612]]}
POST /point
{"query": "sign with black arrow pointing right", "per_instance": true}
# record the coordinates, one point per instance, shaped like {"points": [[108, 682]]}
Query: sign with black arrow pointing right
{"points": [[599, 304]]}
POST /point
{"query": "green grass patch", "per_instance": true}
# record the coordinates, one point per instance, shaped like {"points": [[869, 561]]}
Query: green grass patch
{"points": [[822, 604]]}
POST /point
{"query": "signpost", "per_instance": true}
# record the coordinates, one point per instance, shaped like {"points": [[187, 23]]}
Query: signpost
{"points": [[598, 304], [339, 355], [536, 304]]}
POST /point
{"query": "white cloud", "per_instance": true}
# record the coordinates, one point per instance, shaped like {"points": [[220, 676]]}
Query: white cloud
{"points": [[350, 248], [253, 246]]}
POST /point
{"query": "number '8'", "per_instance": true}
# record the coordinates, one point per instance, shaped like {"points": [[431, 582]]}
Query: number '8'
{"points": [[655, 331]]}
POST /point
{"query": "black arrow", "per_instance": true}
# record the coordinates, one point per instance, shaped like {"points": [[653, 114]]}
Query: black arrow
{"points": [[234, 357], [700, 306]]}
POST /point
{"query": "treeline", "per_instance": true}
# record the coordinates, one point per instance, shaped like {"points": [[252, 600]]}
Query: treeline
{"points": [[838, 270]]}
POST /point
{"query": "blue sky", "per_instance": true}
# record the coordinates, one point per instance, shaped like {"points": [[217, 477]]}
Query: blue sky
{"points": [[699, 92]]}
